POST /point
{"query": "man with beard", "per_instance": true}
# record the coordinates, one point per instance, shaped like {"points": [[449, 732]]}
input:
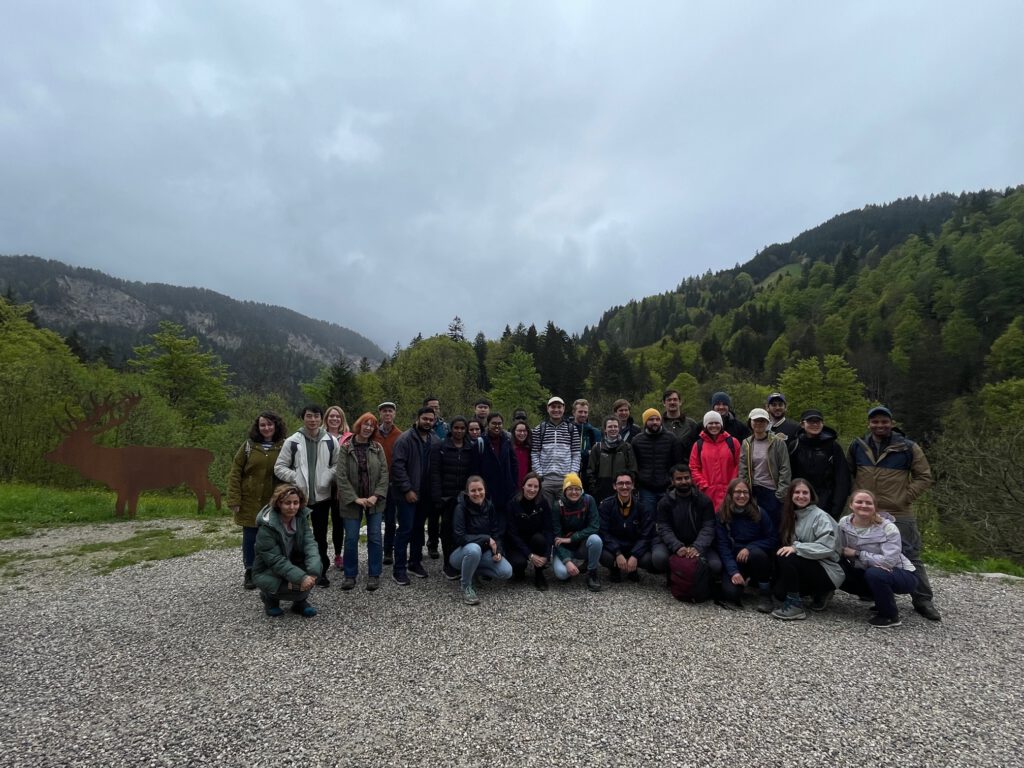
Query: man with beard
{"points": [[816, 456], [656, 451], [721, 404], [685, 525], [626, 532], [411, 480], [778, 424], [673, 420]]}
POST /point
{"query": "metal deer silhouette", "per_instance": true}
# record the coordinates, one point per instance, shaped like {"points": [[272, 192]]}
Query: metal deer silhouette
{"points": [[130, 469]]}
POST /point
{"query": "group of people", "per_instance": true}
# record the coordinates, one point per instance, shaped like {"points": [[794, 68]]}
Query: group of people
{"points": [[724, 508]]}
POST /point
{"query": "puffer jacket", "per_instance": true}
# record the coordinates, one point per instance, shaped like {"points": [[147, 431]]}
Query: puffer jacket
{"points": [[778, 463], [816, 537], [820, 461], [656, 453], [880, 545], [251, 480], [272, 565], [347, 474], [292, 465], [897, 476], [714, 462]]}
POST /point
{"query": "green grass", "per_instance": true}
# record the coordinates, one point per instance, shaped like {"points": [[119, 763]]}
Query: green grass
{"points": [[147, 546], [26, 508], [949, 559]]}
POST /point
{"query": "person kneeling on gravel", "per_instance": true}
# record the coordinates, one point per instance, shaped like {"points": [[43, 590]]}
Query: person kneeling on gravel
{"points": [[478, 531], [576, 523], [287, 561]]}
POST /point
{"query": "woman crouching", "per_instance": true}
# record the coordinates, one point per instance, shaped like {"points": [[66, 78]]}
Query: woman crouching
{"points": [[873, 559], [478, 539], [287, 561]]}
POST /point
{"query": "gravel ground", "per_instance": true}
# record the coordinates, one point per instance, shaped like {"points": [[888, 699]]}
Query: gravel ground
{"points": [[174, 664]]}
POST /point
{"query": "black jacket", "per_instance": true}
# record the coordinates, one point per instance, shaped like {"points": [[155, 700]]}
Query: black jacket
{"points": [[686, 521], [524, 519], [450, 467], [821, 462], [656, 453]]}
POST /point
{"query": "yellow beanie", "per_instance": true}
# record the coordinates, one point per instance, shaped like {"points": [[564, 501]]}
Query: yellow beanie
{"points": [[651, 412], [572, 480]]}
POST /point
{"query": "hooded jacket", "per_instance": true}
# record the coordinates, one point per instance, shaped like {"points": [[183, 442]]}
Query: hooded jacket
{"points": [[778, 463], [273, 565], [878, 546], [686, 520], [714, 462], [742, 532], [816, 537], [578, 521], [526, 518], [292, 465], [251, 480]]}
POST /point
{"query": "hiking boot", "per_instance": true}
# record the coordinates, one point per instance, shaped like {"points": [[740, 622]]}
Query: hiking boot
{"points": [[884, 622], [389, 559], [303, 608], [789, 612], [927, 609], [372, 583], [401, 578], [593, 581], [348, 583], [417, 570], [821, 602], [323, 581], [765, 604], [469, 596], [249, 583], [450, 573], [271, 606], [540, 580]]}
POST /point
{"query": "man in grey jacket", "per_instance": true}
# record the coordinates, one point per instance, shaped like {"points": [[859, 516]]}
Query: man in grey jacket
{"points": [[410, 479]]}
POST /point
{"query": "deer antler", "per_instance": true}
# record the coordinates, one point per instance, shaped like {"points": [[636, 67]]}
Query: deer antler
{"points": [[96, 423]]}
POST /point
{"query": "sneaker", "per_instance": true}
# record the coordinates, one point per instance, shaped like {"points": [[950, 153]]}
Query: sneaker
{"points": [[339, 563], [614, 575], [927, 609], [303, 609], [248, 583], [450, 573], [348, 583], [593, 581], [540, 580], [323, 581], [884, 622], [389, 559], [789, 612], [469, 596], [372, 583], [271, 607], [417, 570], [434, 554], [821, 602], [401, 578], [765, 604]]}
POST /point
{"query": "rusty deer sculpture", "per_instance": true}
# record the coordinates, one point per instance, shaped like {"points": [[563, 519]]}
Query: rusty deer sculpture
{"points": [[130, 469]]}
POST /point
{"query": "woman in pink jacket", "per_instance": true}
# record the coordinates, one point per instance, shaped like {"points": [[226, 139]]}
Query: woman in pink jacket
{"points": [[714, 459]]}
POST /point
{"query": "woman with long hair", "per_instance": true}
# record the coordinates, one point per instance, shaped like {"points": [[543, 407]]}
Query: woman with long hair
{"points": [[478, 539], [251, 481], [529, 534], [336, 424], [521, 447], [807, 563], [746, 539], [362, 477], [873, 559]]}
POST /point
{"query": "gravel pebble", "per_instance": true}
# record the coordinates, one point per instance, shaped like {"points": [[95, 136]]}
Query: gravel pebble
{"points": [[173, 664]]}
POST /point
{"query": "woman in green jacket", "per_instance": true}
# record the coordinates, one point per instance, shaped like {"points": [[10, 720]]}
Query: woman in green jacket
{"points": [[251, 480], [362, 477], [287, 561]]}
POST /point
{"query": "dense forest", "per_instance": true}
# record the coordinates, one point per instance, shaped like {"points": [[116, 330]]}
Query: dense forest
{"points": [[916, 304]]}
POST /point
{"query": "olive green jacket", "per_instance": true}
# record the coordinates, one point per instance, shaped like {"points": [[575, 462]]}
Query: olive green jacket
{"points": [[251, 480], [346, 473]]}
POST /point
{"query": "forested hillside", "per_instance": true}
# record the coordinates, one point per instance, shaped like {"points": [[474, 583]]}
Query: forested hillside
{"points": [[925, 315], [103, 318]]}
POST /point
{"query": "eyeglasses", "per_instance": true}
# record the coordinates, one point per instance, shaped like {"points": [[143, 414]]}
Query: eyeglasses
{"points": [[741, 493]]}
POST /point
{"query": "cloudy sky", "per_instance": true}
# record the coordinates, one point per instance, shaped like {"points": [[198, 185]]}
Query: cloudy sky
{"points": [[388, 165]]}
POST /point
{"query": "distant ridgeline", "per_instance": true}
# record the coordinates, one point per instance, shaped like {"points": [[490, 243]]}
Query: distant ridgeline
{"points": [[103, 318]]}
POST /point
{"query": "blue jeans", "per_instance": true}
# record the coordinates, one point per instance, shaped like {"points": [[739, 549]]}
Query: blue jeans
{"points": [[409, 536], [248, 545], [470, 558], [881, 585], [374, 547], [649, 502], [590, 550]]}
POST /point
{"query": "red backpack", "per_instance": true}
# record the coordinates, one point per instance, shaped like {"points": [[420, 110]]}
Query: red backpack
{"points": [[689, 579]]}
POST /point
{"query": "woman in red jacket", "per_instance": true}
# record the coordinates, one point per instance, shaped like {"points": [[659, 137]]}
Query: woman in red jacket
{"points": [[714, 459]]}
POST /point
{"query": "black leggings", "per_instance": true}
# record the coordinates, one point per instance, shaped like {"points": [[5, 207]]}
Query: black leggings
{"points": [[538, 544], [758, 567], [801, 575]]}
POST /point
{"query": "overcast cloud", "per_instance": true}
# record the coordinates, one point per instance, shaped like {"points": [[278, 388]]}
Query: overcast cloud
{"points": [[386, 166]]}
